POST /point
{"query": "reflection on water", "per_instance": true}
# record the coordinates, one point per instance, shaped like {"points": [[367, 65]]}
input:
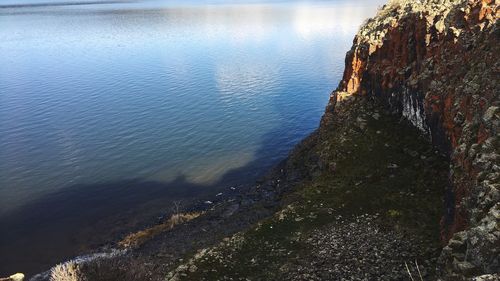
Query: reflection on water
{"points": [[135, 93], [159, 91]]}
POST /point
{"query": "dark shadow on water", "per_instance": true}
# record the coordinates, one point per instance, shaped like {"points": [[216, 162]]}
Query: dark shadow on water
{"points": [[80, 218]]}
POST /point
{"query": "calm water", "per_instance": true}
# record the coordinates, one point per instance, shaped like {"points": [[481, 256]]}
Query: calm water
{"points": [[114, 106]]}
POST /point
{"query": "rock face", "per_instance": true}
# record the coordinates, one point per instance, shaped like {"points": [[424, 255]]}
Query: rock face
{"points": [[435, 63]]}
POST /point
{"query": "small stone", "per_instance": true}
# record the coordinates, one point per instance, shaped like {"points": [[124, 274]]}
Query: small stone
{"points": [[490, 112], [464, 267], [193, 268], [487, 277], [455, 244], [14, 277]]}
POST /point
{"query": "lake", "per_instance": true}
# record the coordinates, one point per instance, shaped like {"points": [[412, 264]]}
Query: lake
{"points": [[109, 110]]}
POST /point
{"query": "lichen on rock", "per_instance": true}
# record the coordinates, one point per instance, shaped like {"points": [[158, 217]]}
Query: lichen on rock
{"points": [[435, 62]]}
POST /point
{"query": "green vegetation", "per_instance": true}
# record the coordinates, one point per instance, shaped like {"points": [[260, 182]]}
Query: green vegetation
{"points": [[366, 162]]}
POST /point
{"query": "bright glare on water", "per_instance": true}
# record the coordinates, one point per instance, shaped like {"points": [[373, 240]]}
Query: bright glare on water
{"points": [[98, 93], [161, 90]]}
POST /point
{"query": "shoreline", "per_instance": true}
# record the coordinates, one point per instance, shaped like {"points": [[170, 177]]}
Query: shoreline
{"points": [[399, 181], [281, 189], [209, 206], [83, 229]]}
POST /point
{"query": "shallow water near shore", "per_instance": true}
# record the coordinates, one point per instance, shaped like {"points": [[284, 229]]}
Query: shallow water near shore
{"points": [[109, 110]]}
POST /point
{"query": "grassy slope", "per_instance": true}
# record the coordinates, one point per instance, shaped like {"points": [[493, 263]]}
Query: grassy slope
{"points": [[366, 162]]}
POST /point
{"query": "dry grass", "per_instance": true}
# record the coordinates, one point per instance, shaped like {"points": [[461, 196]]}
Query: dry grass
{"points": [[417, 269], [138, 238], [67, 271]]}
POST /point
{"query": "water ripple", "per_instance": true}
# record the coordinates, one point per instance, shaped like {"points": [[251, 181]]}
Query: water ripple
{"points": [[96, 93]]}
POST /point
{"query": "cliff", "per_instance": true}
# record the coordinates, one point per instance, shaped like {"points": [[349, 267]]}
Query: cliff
{"points": [[400, 181], [435, 63]]}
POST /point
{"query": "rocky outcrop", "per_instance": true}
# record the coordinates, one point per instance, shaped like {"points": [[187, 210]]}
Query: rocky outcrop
{"points": [[435, 63]]}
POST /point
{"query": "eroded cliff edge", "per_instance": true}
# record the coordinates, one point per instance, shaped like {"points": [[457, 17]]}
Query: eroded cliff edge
{"points": [[435, 62]]}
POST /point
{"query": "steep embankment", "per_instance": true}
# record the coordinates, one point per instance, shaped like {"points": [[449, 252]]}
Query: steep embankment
{"points": [[367, 201], [436, 63]]}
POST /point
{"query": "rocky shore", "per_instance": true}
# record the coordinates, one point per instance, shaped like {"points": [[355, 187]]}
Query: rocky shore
{"points": [[399, 182]]}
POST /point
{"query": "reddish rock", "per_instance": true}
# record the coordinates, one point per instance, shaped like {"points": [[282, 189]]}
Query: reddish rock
{"points": [[436, 64]]}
